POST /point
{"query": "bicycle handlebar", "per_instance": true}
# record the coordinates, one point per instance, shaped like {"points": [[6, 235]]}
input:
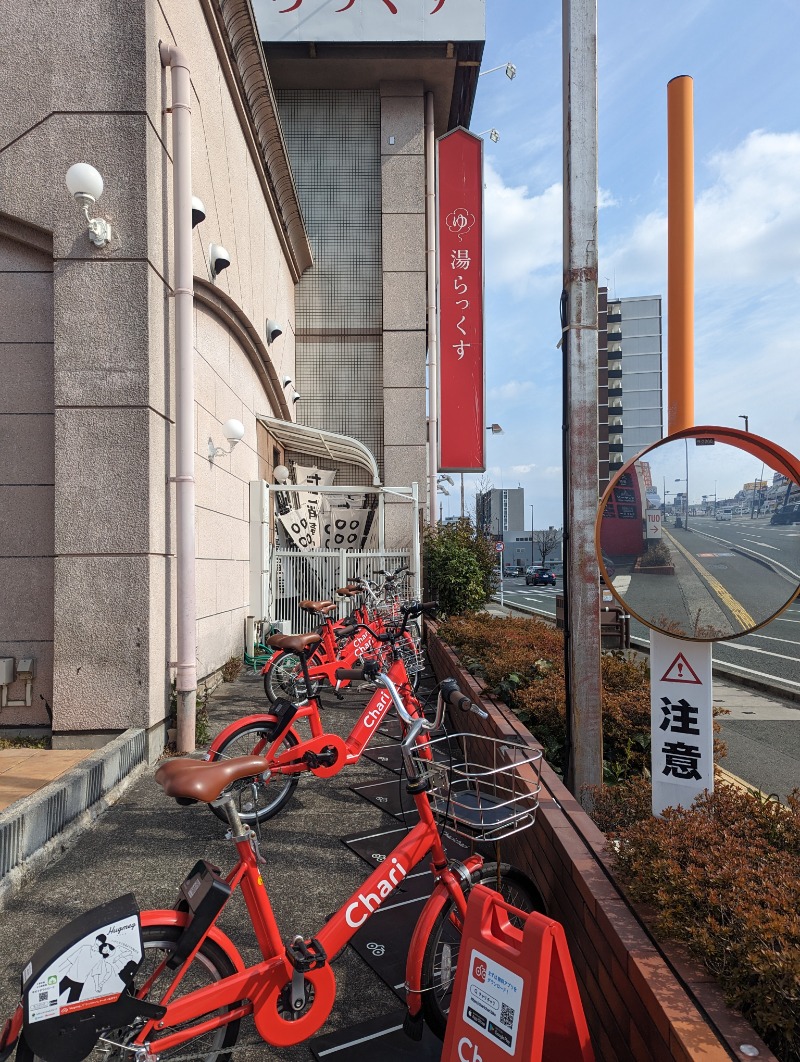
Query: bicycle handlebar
{"points": [[452, 695]]}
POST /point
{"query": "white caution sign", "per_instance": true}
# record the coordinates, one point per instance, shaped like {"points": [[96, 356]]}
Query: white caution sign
{"points": [[682, 750]]}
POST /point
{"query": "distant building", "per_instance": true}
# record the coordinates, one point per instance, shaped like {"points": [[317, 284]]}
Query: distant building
{"points": [[630, 379], [500, 511]]}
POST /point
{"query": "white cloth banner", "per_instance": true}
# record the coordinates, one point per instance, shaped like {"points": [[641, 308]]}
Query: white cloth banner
{"points": [[344, 528]]}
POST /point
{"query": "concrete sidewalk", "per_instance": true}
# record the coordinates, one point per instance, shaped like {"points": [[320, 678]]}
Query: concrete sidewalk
{"points": [[145, 844]]}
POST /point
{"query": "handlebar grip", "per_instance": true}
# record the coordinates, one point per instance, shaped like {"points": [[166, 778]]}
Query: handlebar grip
{"points": [[349, 673], [453, 696]]}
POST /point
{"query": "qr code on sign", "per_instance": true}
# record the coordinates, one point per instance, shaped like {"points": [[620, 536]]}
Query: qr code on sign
{"points": [[43, 997], [506, 1016]]}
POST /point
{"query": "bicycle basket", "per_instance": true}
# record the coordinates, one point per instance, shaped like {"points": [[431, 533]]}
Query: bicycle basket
{"points": [[483, 788], [412, 658]]}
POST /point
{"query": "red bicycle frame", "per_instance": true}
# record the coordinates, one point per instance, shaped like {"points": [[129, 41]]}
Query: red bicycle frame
{"points": [[348, 750]]}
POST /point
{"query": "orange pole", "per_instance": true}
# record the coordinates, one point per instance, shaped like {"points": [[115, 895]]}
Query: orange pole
{"points": [[680, 254]]}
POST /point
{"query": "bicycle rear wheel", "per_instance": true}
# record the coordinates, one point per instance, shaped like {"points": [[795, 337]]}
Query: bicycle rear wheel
{"points": [[256, 798], [440, 959], [211, 964], [285, 679]]}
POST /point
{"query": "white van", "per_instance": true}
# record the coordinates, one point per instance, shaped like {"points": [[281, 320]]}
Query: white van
{"points": [[724, 514]]}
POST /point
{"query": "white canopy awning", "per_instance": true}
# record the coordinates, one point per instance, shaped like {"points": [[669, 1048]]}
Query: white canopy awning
{"points": [[319, 443]]}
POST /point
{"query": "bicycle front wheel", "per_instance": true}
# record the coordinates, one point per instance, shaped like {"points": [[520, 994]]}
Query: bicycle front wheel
{"points": [[256, 798], [440, 959], [285, 679], [211, 964]]}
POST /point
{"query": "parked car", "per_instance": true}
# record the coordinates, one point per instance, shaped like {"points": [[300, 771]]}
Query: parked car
{"points": [[787, 514], [537, 575]]}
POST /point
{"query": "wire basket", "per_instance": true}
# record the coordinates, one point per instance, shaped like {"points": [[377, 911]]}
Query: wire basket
{"points": [[484, 788], [412, 658]]}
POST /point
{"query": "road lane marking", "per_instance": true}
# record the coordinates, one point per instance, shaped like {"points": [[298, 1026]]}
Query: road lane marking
{"points": [[621, 583], [760, 674], [745, 550], [737, 609], [768, 638], [764, 652], [758, 542]]}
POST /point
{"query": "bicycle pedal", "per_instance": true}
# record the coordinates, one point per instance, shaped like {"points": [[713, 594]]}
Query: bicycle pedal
{"points": [[306, 955]]}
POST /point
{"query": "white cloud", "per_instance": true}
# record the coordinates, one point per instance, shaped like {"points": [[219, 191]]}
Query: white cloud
{"points": [[523, 232], [747, 223], [510, 390], [522, 470]]}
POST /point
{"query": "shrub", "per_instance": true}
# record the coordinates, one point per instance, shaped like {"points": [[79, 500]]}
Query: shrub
{"points": [[657, 553], [722, 877], [459, 566], [231, 668], [522, 662]]}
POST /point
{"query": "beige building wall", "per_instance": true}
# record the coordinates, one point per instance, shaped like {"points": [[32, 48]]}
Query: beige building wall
{"points": [[109, 453], [404, 297]]}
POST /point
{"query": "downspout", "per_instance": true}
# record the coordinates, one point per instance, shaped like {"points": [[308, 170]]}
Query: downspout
{"points": [[433, 338], [183, 290]]}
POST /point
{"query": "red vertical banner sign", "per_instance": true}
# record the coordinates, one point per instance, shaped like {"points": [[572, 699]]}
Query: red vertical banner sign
{"points": [[459, 222]]}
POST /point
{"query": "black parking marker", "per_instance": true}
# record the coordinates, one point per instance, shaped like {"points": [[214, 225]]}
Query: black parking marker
{"points": [[374, 847], [383, 941], [390, 795], [382, 1037], [388, 756]]}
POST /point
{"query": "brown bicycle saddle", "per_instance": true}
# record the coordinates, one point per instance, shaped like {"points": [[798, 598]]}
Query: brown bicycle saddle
{"points": [[189, 779], [317, 606], [295, 643]]}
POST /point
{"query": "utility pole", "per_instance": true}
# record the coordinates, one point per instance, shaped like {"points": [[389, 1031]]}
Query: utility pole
{"points": [[579, 342]]}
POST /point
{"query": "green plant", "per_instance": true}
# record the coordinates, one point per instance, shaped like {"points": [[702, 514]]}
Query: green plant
{"points": [[657, 554], [202, 723], [460, 567]]}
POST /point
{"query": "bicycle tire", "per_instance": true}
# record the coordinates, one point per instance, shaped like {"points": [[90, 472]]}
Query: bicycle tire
{"points": [[285, 679], [252, 739], [209, 965], [440, 958]]}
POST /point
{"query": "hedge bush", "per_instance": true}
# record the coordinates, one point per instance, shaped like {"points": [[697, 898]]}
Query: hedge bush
{"points": [[522, 662], [723, 878]]}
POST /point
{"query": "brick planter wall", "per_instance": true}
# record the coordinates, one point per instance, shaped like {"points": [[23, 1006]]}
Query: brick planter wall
{"points": [[643, 1000]]}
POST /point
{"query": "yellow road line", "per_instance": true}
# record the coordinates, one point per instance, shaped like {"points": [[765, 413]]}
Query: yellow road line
{"points": [[737, 609]]}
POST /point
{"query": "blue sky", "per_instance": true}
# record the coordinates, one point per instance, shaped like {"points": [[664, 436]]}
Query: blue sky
{"points": [[743, 60]]}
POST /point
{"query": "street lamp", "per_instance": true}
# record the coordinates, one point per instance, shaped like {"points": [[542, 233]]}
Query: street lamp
{"points": [[746, 419], [495, 429], [494, 135]]}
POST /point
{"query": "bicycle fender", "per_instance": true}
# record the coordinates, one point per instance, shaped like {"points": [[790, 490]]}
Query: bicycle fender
{"points": [[422, 930], [10, 1033], [231, 728], [172, 917]]}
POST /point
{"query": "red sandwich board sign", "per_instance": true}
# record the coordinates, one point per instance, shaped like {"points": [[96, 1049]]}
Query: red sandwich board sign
{"points": [[681, 720], [459, 274], [515, 995]]}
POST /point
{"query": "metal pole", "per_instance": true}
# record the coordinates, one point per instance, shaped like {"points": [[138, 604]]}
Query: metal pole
{"points": [[462, 495], [532, 560], [186, 672], [680, 254], [433, 339], [579, 310]]}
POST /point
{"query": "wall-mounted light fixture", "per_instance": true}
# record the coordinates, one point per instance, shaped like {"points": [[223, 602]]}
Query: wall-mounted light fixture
{"points": [[495, 429], [198, 211], [510, 69], [286, 381], [295, 398], [273, 330], [281, 474], [444, 478], [233, 430], [494, 135], [219, 259], [86, 185]]}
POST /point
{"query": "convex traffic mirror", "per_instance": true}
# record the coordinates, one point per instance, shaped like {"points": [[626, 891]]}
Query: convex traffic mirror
{"points": [[699, 535]]}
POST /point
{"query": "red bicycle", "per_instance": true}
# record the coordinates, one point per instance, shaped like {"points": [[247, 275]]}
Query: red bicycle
{"points": [[273, 735], [174, 982], [342, 643]]}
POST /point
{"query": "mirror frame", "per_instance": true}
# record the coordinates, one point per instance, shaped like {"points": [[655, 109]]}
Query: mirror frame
{"points": [[779, 459]]}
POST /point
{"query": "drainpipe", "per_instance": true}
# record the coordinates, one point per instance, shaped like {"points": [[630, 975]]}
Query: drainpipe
{"points": [[433, 339], [183, 289]]}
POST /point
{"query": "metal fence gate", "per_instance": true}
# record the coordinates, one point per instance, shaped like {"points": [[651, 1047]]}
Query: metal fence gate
{"points": [[282, 577]]}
